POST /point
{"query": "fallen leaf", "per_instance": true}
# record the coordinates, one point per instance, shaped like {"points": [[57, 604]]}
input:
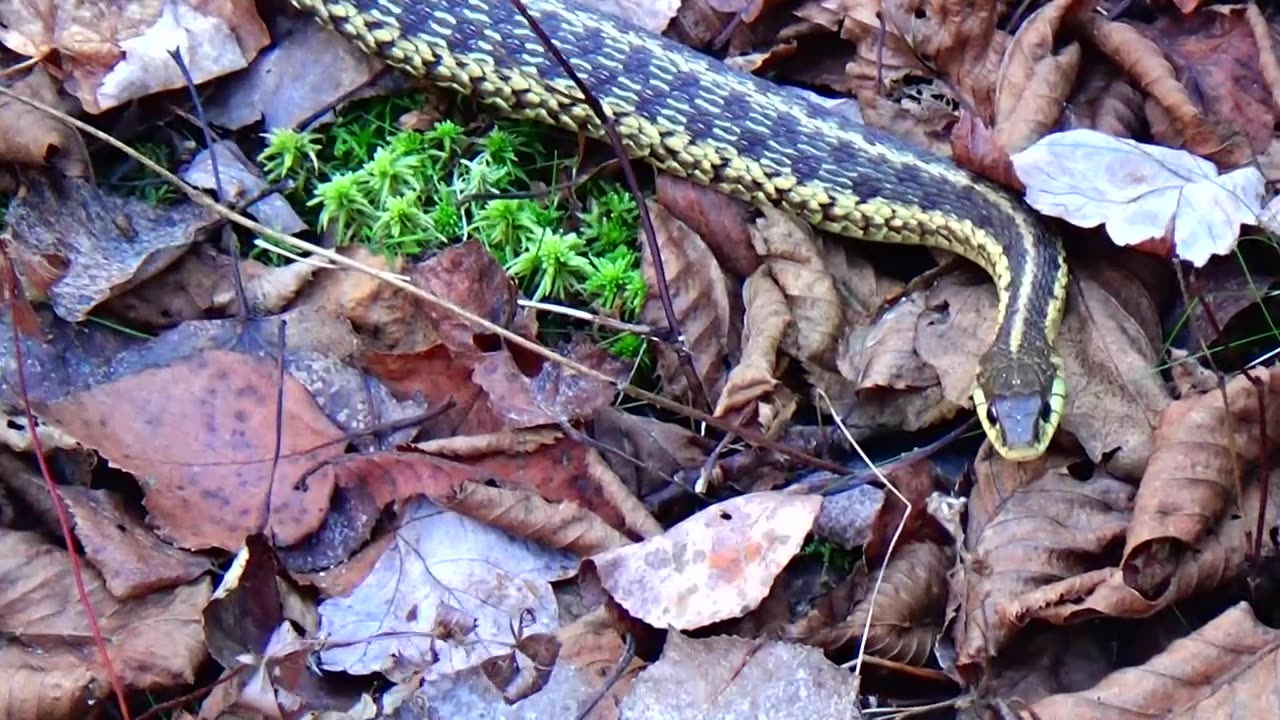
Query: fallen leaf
{"points": [[112, 54], [713, 566], [906, 613], [441, 563], [156, 642], [79, 246], [1140, 192], [1037, 75], [201, 434], [1225, 668], [305, 70], [754, 379], [720, 220], [1054, 528], [705, 301], [729, 677], [31, 137]]}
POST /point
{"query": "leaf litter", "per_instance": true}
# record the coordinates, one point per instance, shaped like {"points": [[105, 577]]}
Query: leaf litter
{"points": [[399, 500]]}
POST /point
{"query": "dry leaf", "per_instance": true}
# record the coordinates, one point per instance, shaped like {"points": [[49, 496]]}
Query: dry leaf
{"points": [[442, 563], [1141, 192], [906, 614], [1224, 669], [729, 677], [156, 642], [754, 379], [1056, 527], [713, 566], [201, 436], [115, 53], [1191, 480], [79, 246], [704, 299], [31, 137]]}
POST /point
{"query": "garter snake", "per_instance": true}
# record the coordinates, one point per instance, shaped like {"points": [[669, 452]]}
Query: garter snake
{"points": [[690, 115]]}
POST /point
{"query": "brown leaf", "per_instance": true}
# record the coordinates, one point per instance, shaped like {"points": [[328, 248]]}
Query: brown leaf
{"points": [[115, 53], [1217, 57], [958, 38], [705, 302], [1191, 480], [1054, 528], [101, 247], [563, 526], [1224, 669], [715, 565], [440, 379], [1036, 77], [155, 642], [793, 255], [1219, 558], [645, 452], [31, 137], [720, 220], [201, 436], [1106, 102], [131, 558], [1225, 77], [752, 382], [906, 614]]}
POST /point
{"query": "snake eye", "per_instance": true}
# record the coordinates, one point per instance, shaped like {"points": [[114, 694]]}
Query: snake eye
{"points": [[992, 418], [1046, 411]]}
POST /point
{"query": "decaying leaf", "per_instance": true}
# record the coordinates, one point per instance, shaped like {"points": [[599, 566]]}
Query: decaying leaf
{"points": [[79, 246], [1036, 76], [50, 668], [906, 614], [31, 137], [115, 53], [1056, 527], [201, 436], [715, 565], [754, 379], [729, 677], [442, 564], [1224, 669], [705, 302], [1141, 192]]}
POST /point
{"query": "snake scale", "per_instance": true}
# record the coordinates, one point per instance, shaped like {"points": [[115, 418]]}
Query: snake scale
{"points": [[690, 115]]}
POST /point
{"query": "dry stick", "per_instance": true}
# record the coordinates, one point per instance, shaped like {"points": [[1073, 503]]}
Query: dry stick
{"points": [[476, 321], [77, 570], [628, 171]]}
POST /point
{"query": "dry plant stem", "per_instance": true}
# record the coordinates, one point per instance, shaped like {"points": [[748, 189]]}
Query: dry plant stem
{"points": [[77, 570], [192, 696], [587, 317], [893, 541], [628, 171], [401, 283], [279, 421], [628, 653], [233, 243]]}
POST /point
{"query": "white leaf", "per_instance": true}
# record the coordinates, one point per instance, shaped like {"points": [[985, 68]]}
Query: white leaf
{"points": [[1140, 192]]}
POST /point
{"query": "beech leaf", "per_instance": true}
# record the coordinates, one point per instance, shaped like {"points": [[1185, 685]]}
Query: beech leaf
{"points": [[1140, 192]]}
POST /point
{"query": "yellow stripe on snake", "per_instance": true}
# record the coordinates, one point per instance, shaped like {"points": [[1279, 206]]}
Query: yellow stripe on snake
{"points": [[691, 116]]}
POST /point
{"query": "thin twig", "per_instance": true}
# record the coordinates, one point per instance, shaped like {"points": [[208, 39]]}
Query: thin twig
{"points": [[587, 317]]}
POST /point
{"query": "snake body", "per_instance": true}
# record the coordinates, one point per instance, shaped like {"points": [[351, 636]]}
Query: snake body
{"points": [[690, 115]]}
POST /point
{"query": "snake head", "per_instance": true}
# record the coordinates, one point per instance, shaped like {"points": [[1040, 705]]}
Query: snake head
{"points": [[1019, 401]]}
